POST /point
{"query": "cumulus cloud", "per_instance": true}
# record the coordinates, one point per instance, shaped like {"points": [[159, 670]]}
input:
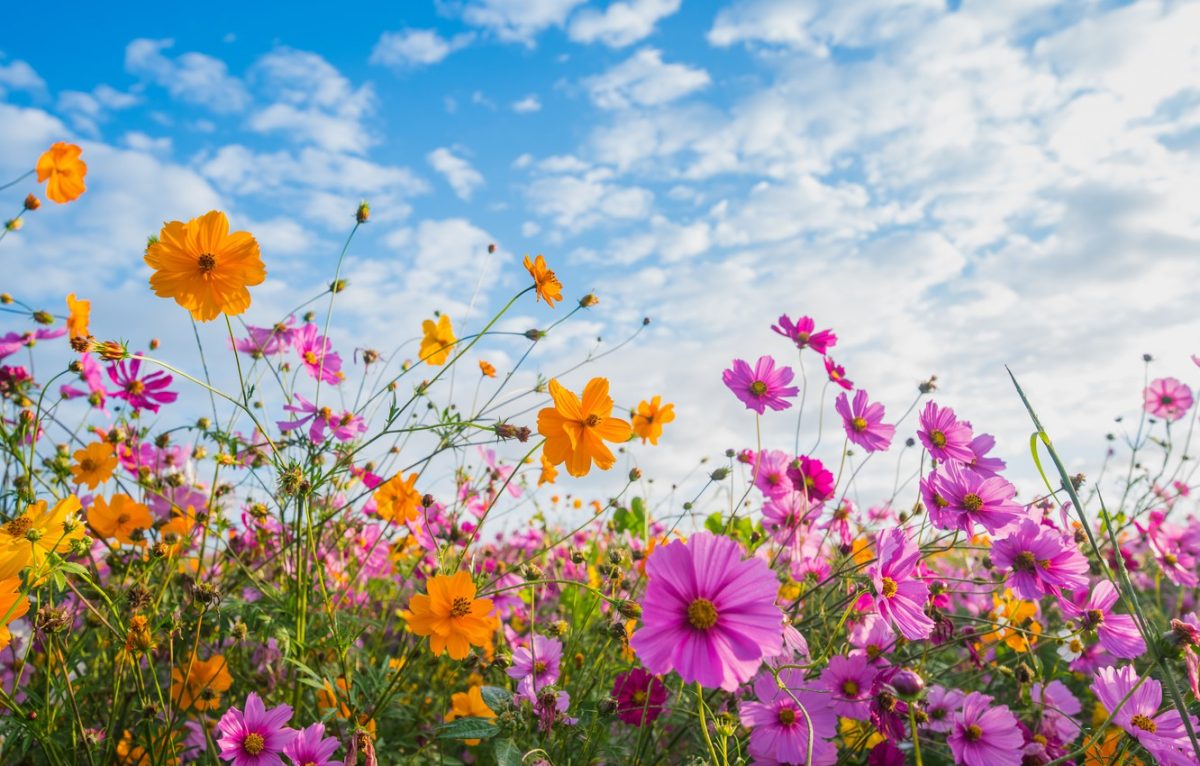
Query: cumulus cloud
{"points": [[527, 105], [416, 47], [192, 77], [459, 173], [20, 76], [622, 23], [644, 80], [518, 21]]}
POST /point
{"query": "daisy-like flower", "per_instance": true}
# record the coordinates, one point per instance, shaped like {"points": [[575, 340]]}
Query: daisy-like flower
{"points": [[397, 499], [761, 387], [548, 473], [437, 341], [94, 464], [945, 436], [201, 689], [1040, 561], [257, 736], [451, 616], [119, 518], [848, 680], [28, 539], [639, 695], [837, 374], [203, 267], [316, 351], [899, 596], [770, 473], [982, 464], [780, 731], [650, 417], [13, 606], [312, 748], [468, 704], [940, 706], [863, 422], [1136, 710], [78, 314], [803, 333], [985, 734], [1167, 398], [142, 393], [1118, 633], [959, 498], [267, 341], [487, 369], [536, 667], [547, 286], [576, 429], [708, 614], [63, 171], [811, 477], [344, 427], [1070, 646]]}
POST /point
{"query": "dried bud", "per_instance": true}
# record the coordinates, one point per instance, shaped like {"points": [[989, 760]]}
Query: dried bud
{"points": [[577, 557], [928, 386], [534, 335], [43, 317], [154, 344], [530, 571], [635, 474], [630, 609], [363, 213], [491, 248], [1077, 481], [370, 356], [719, 475], [32, 203], [588, 301], [427, 501]]}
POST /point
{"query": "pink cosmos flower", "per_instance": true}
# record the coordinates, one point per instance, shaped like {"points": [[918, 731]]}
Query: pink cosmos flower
{"points": [[770, 473], [944, 435], [1059, 709], [985, 734], [708, 614], [864, 422], [639, 695], [256, 737], [1162, 734], [761, 387], [873, 636], [848, 680], [782, 516], [898, 596], [345, 427], [316, 351], [811, 476], [1118, 633], [145, 393], [801, 333], [959, 498], [837, 374], [779, 728], [11, 343], [1167, 398], [536, 667], [312, 748], [940, 706], [982, 464], [267, 341], [1040, 561]]}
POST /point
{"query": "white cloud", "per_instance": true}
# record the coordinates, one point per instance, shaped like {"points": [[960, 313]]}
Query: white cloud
{"points": [[20, 76], [139, 141], [87, 110], [811, 26], [193, 78], [644, 80], [622, 23], [518, 21], [459, 173], [416, 47], [577, 202], [527, 105]]}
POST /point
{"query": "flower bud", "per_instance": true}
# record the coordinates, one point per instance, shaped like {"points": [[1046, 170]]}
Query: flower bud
{"points": [[908, 684], [363, 213], [32, 203]]}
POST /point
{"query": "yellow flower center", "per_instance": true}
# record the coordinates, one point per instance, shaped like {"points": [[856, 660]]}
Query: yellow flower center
{"points": [[135, 387], [758, 388], [787, 716], [889, 587], [19, 526], [972, 501], [122, 519], [310, 357], [938, 438], [87, 465], [207, 263], [254, 744], [702, 614], [592, 421], [639, 696], [850, 687], [1170, 559], [1024, 562], [460, 607], [1144, 723], [973, 733], [539, 667], [859, 424]]}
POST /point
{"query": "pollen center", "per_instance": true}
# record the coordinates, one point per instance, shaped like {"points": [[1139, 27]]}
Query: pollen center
{"points": [[539, 667], [973, 733], [207, 263], [1024, 562], [87, 465], [859, 424], [18, 527], [850, 687], [1144, 723], [938, 438], [254, 744], [787, 716], [972, 501], [460, 607], [702, 614], [135, 387], [592, 421], [758, 388], [122, 519], [889, 587]]}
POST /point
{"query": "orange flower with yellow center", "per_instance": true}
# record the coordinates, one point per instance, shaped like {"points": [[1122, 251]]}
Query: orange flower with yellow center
{"points": [[545, 283], [397, 499], [63, 171], [469, 704], [437, 342], [576, 430], [26, 540], [118, 518], [451, 616], [79, 312], [650, 417], [488, 370], [94, 464], [206, 680], [204, 267], [13, 606], [1017, 625]]}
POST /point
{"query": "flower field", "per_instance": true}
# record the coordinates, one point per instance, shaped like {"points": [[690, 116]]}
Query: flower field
{"points": [[341, 560]]}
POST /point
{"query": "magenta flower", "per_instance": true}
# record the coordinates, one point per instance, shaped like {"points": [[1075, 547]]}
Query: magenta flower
{"points": [[145, 393], [899, 596], [1118, 633], [864, 422], [837, 374], [811, 476], [344, 427], [312, 748], [639, 695], [316, 351], [536, 667], [985, 734], [267, 341], [12, 342], [940, 706], [873, 636], [1040, 561], [1162, 734], [761, 387], [770, 473], [784, 514], [848, 680], [708, 614], [801, 333], [944, 435], [256, 737], [1168, 399], [779, 728], [982, 464], [959, 498]]}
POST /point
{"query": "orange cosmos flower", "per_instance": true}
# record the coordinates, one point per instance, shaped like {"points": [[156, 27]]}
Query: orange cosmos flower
{"points": [[13, 605], [545, 283], [94, 464], [328, 699], [116, 519], [576, 431], [650, 417], [451, 616], [26, 540], [549, 472], [206, 679], [397, 499], [204, 267], [438, 341], [63, 172], [469, 704], [78, 314], [487, 369]]}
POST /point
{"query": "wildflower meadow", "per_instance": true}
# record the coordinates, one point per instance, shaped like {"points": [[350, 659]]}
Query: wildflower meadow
{"points": [[347, 558]]}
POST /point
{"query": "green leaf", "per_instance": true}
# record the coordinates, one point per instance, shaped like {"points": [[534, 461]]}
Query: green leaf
{"points": [[468, 728], [496, 698], [507, 753], [715, 524]]}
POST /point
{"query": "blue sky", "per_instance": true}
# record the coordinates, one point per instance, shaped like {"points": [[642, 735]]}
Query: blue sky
{"points": [[951, 187]]}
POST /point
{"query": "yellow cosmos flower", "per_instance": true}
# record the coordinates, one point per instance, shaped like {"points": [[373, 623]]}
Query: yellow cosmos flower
{"points": [[576, 430], [488, 370], [438, 341], [63, 172], [650, 417], [206, 680], [13, 605], [451, 616], [397, 499], [118, 518], [29, 538], [545, 283], [94, 464], [469, 704], [79, 313], [549, 472]]}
